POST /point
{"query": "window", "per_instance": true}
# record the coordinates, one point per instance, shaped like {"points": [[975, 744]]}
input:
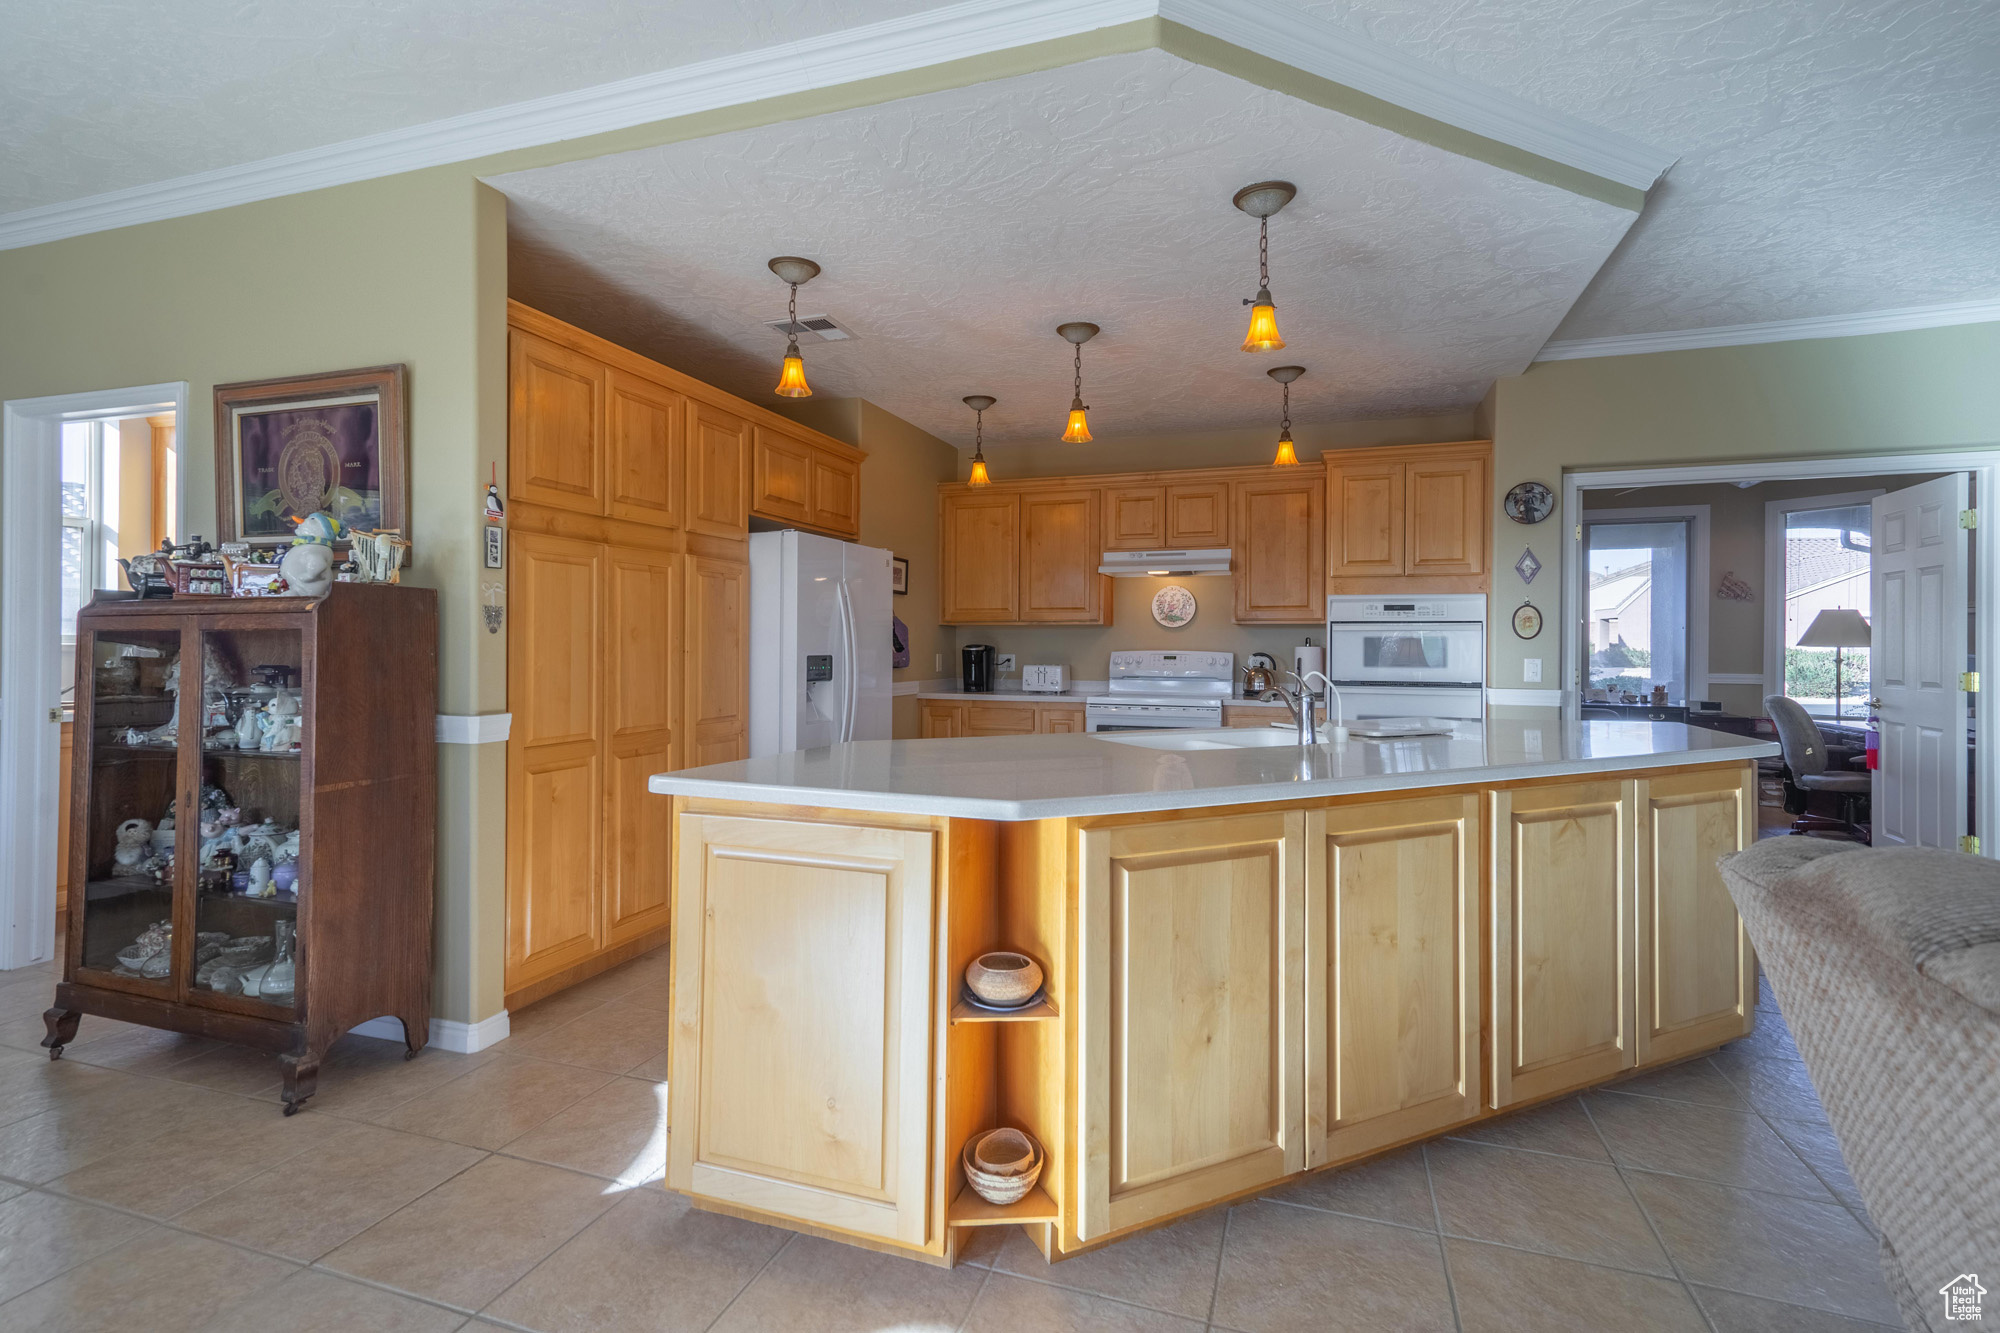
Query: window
{"points": [[89, 515], [1636, 593], [1826, 554]]}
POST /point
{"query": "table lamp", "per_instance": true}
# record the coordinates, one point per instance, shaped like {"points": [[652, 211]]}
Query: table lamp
{"points": [[1837, 628]]}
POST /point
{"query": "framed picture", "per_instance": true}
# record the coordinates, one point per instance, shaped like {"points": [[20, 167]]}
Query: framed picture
{"points": [[899, 576], [332, 443]]}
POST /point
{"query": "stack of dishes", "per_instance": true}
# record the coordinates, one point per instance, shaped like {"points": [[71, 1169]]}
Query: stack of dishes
{"points": [[1002, 1165]]}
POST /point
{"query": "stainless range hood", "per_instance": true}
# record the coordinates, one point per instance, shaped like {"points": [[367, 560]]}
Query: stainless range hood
{"points": [[1139, 564]]}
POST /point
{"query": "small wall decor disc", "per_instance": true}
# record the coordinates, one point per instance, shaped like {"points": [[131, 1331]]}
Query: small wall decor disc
{"points": [[1173, 606], [1527, 620], [1529, 502]]}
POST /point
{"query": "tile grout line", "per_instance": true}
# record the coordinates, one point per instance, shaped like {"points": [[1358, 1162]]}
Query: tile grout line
{"points": [[1614, 1162], [973, 1305], [1651, 1227], [1097, 1295], [1221, 1255], [1768, 1120], [1444, 1251], [762, 1269]]}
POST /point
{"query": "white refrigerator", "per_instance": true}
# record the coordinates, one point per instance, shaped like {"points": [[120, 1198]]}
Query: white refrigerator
{"points": [[820, 646]]}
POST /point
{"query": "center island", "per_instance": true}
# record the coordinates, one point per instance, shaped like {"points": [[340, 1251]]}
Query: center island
{"points": [[1260, 959]]}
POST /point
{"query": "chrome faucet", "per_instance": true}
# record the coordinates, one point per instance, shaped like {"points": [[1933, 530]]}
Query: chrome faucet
{"points": [[1303, 705]]}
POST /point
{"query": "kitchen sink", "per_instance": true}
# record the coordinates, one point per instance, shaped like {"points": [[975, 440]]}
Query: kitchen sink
{"points": [[1226, 738]]}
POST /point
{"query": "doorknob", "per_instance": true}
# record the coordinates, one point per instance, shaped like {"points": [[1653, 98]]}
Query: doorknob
{"points": [[1874, 704]]}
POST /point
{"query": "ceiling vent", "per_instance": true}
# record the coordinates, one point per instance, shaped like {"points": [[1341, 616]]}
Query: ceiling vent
{"points": [[823, 327]]}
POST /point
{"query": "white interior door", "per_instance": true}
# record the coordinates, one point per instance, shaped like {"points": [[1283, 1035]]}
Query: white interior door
{"points": [[1919, 650]]}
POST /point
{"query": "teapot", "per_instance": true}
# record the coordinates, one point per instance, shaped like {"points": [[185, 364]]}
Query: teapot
{"points": [[1259, 675]]}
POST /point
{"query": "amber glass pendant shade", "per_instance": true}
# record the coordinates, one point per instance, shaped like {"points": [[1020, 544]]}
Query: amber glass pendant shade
{"points": [[1263, 335], [1078, 431], [1284, 375], [978, 477], [1286, 457], [792, 380], [978, 402]]}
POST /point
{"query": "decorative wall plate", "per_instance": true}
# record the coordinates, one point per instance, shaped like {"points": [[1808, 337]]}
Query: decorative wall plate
{"points": [[1527, 620], [1529, 502], [1173, 606], [1527, 566]]}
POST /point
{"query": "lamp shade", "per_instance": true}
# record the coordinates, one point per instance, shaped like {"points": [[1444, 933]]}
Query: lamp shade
{"points": [[1839, 627]]}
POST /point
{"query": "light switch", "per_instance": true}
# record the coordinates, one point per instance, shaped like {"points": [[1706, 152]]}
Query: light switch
{"points": [[940, 663], [1531, 670]]}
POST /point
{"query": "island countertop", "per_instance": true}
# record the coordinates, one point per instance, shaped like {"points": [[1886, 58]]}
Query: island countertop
{"points": [[1084, 774]]}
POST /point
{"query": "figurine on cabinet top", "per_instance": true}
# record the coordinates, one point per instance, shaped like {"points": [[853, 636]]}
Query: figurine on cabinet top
{"points": [[308, 567]]}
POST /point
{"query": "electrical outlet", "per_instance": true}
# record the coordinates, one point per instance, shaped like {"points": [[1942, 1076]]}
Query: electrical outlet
{"points": [[1006, 667], [1531, 670]]}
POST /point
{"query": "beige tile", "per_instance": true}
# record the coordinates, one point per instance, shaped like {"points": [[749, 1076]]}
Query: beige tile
{"points": [[1694, 1080], [98, 1112], [31, 1084], [137, 1050], [332, 1191], [1775, 1087], [313, 1302], [41, 1235], [1555, 1205], [653, 1264], [172, 1172], [1391, 1188], [237, 1069], [618, 1132], [495, 1103], [981, 1246], [1503, 1291], [1012, 1304], [1170, 1268], [1731, 1313], [1294, 1268], [1707, 1142], [614, 1037], [473, 1236], [163, 1282], [1769, 1040], [1559, 1127], [547, 1015], [656, 1069], [1814, 1141], [1787, 1249], [822, 1286], [363, 1078]]}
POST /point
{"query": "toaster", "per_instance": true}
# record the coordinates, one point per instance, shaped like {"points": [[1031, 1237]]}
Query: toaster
{"points": [[1045, 679]]}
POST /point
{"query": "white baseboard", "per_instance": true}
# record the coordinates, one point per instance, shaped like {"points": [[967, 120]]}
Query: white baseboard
{"points": [[1735, 678], [473, 728], [446, 1035], [1525, 698]]}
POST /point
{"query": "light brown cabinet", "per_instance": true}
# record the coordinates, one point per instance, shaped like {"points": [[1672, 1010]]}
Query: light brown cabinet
{"points": [[645, 426], [1409, 519], [1392, 973], [1162, 517], [555, 452], [1282, 551], [806, 483], [1022, 557], [1192, 955], [979, 557], [718, 690], [718, 472], [1062, 543], [1696, 979], [998, 717]]}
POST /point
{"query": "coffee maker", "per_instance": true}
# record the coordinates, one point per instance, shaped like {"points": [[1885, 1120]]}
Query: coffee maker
{"points": [[979, 667]]}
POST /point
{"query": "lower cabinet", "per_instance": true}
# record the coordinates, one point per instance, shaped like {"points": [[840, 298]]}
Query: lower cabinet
{"points": [[998, 717], [1697, 976], [1191, 1023], [800, 1073], [1392, 972], [1562, 936]]}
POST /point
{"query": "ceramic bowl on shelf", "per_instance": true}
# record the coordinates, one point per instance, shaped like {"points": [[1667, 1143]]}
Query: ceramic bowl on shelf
{"points": [[1003, 979], [1002, 1165]]}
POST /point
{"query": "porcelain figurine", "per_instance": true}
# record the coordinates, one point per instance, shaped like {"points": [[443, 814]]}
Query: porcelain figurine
{"points": [[260, 879], [246, 729], [307, 570], [135, 846], [280, 978]]}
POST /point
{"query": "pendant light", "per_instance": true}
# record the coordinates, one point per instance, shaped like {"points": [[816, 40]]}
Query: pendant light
{"points": [[1078, 429], [1260, 201], [792, 379], [978, 402], [1284, 375]]}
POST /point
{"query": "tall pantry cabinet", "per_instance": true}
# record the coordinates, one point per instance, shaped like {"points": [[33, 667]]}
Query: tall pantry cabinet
{"points": [[630, 493]]}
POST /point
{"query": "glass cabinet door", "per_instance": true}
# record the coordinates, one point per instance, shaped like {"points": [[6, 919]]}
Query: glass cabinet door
{"points": [[248, 863], [131, 841]]}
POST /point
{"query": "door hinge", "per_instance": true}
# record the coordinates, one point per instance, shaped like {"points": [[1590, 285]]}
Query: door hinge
{"points": [[1969, 681], [1579, 532], [1968, 518], [1969, 844]]}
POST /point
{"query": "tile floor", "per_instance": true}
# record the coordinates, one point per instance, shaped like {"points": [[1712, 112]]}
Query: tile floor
{"points": [[147, 1181]]}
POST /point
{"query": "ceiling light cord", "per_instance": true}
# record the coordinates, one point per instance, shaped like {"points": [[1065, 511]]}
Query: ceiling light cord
{"points": [[792, 322], [1076, 403], [1285, 424]]}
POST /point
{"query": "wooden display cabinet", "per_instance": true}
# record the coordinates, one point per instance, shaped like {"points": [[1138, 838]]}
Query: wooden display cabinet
{"points": [[163, 929]]}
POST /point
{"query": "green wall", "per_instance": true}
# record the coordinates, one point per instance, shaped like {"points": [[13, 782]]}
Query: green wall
{"points": [[410, 269]]}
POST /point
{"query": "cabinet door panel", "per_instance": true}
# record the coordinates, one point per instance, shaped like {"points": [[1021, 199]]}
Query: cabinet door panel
{"points": [[1061, 547], [788, 1094], [1135, 518], [1198, 515], [1192, 1031], [1446, 525], [555, 587], [1392, 1000], [1697, 981], [1053, 718], [1280, 553], [555, 425], [642, 680], [997, 719], [1365, 508], [836, 494], [1562, 936], [644, 425], [979, 557], [717, 719], [943, 718], [552, 907], [783, 468], [718, 471]]}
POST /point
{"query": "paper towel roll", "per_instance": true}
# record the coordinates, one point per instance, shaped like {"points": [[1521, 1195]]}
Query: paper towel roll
{"points": [[1308, 657]]}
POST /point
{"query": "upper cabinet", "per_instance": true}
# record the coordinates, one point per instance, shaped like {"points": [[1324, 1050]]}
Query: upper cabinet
{"points": [[1409, 519], [645, 424], [1061, 544], [808, 483], [1282, 550], [1151, 518], [718, 472], [1022, 556], [979, 546], [555, 425]]}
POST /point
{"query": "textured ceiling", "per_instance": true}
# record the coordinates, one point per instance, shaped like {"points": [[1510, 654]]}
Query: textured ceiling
{"points": [[104, 94], [959, 228], [1838, 156]]}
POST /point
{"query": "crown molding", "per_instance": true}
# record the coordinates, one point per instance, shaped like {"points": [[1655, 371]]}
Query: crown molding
{"points": [[954, 32], [1898, 320]]}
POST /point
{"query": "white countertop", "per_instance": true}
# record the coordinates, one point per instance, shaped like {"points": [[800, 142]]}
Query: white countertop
{"points": [[1061, 776]]}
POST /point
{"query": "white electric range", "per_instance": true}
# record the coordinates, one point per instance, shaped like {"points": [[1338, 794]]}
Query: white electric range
{"points": [[1152, 691]]}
